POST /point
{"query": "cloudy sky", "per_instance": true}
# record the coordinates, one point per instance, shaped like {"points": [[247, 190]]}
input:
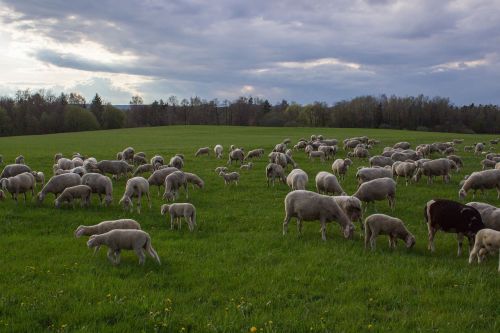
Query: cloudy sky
{"points": [[299, 50]]}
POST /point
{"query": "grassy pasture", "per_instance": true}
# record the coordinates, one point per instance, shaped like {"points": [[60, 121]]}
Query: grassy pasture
{"points": [[236, 271]]}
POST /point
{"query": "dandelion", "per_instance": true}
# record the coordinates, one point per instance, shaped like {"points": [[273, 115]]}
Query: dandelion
{"points": [[253, 329], [370, 326], [108, 295]]}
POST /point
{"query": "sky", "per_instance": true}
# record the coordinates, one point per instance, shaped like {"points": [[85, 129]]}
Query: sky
{"points": [[298, 50]]}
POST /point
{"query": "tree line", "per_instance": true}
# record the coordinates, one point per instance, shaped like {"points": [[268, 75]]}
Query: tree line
{"points": [[42, 112]]}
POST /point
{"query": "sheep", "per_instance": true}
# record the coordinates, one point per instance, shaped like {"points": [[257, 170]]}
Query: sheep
{"points": [[402, 145], [317, 155], [327, 183], [39, 177], [143, 169], [139, 160], [105, 226], [381, 224], [221, 169], [218, 150], [77, 161], [274, 171], [438, 167], [488, 164], [289, 152], [364, 175], [308, 149], [202, 151], [359, 152], [58, 183], [489, 214], [57, 157], [278, 158], [247, 166], [19, 160], [90, 166], [310, 206], [486, 241], [329, 151], [156, 161], [116, 168], [178, 210], [20, 183], [135, 187], [340, 167], [350, 144], [478, 148], [12, 170], [99, 184], [181, 156], [255, 153], [176, 162], [330, 142], [404, 169], [119, 156], [458, 161], [128, 154], [380, 161], [351, 206], [194, 180], [377, 189], [297, 179], [124, 239], [454, 217], [69, 194], [449, 151], [280, 148], [236, 155], [65, 164], [173, 183], [481, 180], [230, 177], [78, 170]]}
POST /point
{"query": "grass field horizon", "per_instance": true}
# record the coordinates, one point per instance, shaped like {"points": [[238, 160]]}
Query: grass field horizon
{"points": [[237, 270]]}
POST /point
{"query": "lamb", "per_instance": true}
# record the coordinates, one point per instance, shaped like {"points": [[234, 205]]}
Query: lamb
{"points": [[247, 166], [488, 164], [366, 174], [274, 171], [57, 157], [69, 194], [317, 155], [58, 183], [128, 154], [329, 151], [359, 152], [454, 217], [194, 180], [458, 161], [218, 170], [39, 177], [278, 158], [340, 167], [377, 189], [255, 153], [327, 183], [297, 179], [310, 206], [156, 161], [380, 161], [202, 151], [99, 184], [218, 150], [351, 206], [19, 160], [173, 183], [105, 226], [489, 214], [65, 164], [402, 145], [381, 224], [80, 171], [481, 180], [350, 144], [176, 162], [90, 166], [143, 169], [478, 148], [178, 210], [116, 168], [230, 177], [438, 167], [12, 170], [135, 187], [487, 241], [236, 155], [120, 239], [405, 169], [139, 160], [21, 183]]}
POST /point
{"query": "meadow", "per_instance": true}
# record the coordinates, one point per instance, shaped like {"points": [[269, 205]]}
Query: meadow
{"points": [[237, 271]]}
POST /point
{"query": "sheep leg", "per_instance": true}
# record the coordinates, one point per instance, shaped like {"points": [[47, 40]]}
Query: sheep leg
{"points": [[179, 222], [432, 233], [171, 222], [285, 224], [460, 238], [470, 242], [111, 255], [482, 255], [140, 253], [139, 196], [149, 199], [367, 236], [299, 226], [117, 256], [474, 253], [323, 230], [373, 241], [499, 260]]}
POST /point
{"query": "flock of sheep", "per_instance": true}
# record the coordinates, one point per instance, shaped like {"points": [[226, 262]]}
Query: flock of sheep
{"points": [[77, 178]]}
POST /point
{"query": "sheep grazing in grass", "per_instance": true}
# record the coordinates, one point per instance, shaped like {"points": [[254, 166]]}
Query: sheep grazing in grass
{"points": [[69, 195], [255, 153], [231, 177], [218, 150], [105, 226], [488, 164], [173, 182], [179, 210], [77, 161], [274, 171], [377, 189], [143, 169], [381, 224], [202, 151], [65, 163], [478, 148], [176, 162], [489, 214], [128, 154], [310, 206], [115, 168], [404, 169], [139, 160], [327, 183], [57, 184], [439, 167], [156, 161], [340, 167], [486, 241], [297, 179], [39, 177], [364, 175], [458, 161], [247, 166], [220, 169], [402, 145], [158, 177], [194, 180], [124, 239], [236, 155], [380, 161], [100, 184], [21, 183], [481, 180], [317, 155], [12, 170], [135, 187], [19, 160]]}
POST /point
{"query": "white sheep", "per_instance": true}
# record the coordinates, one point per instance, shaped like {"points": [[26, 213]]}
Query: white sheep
{"points": [[69, 194], [12, 170], [274, 171], [116, 168], [488, 164], [255, 153], [297, 179], [340, 167], [178, 210], [105, 226], [194, 179], [135, 187], [21, 183], [364, 175], [327, 183], [381, 224], [158, 177], [220, 169], [124, 239], [218, 150], [481, 180], [433, 168], [99, 184], [173, 182], [380, 161], [156, 161], [489, 214], [236, 155], [247, 166], [19, 160], [65, 164], [202, 151], [317, 155], [404, 169], [57, 184], [351, 206], [377, 189], [487, 241], [230, 177], [176, 162]]}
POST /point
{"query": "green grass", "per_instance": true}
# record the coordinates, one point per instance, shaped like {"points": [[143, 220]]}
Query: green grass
{"points": [[236, 270]]}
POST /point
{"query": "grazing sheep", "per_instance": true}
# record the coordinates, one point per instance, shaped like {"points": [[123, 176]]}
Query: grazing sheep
{"points": [[433, 168], [458, 161], [218, 150], [80, 171], [173, 182], [478, 148], [39, 177], [351, 206], [135, 187], [58, 183], [119, 156], [310, 206], [280, 148], [255, 153], [128, 154], [481, 180], [12, 170], [194, 180], [380, 161], [340, 167], [329, 151], [489, 214], [488, 164], [377, 189], [297, 179], [143, 169], [404, 169], [105, 226], [236, 155], [486, 241], [366, 174], [327, 183], [21, 183], [468, 148], [381, 224], [230, 177], [317, 155], [351, 144], [247, 166], [19, 160], [454, 217], [139, 160], [178, 210], [115, 168], [359, 152], [402, 145], [218, 170], [99, 184], [274, 171], [90, 166], [57, 157], [156, 161], [65, 164], [458, 141], [202, 151], [77, 161], [176, 162], [69, 194], [124, 239]]}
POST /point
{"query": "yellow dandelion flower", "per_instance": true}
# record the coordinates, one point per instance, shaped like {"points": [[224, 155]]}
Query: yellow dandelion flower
{"points": [[253, 329], [370, 326]]}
